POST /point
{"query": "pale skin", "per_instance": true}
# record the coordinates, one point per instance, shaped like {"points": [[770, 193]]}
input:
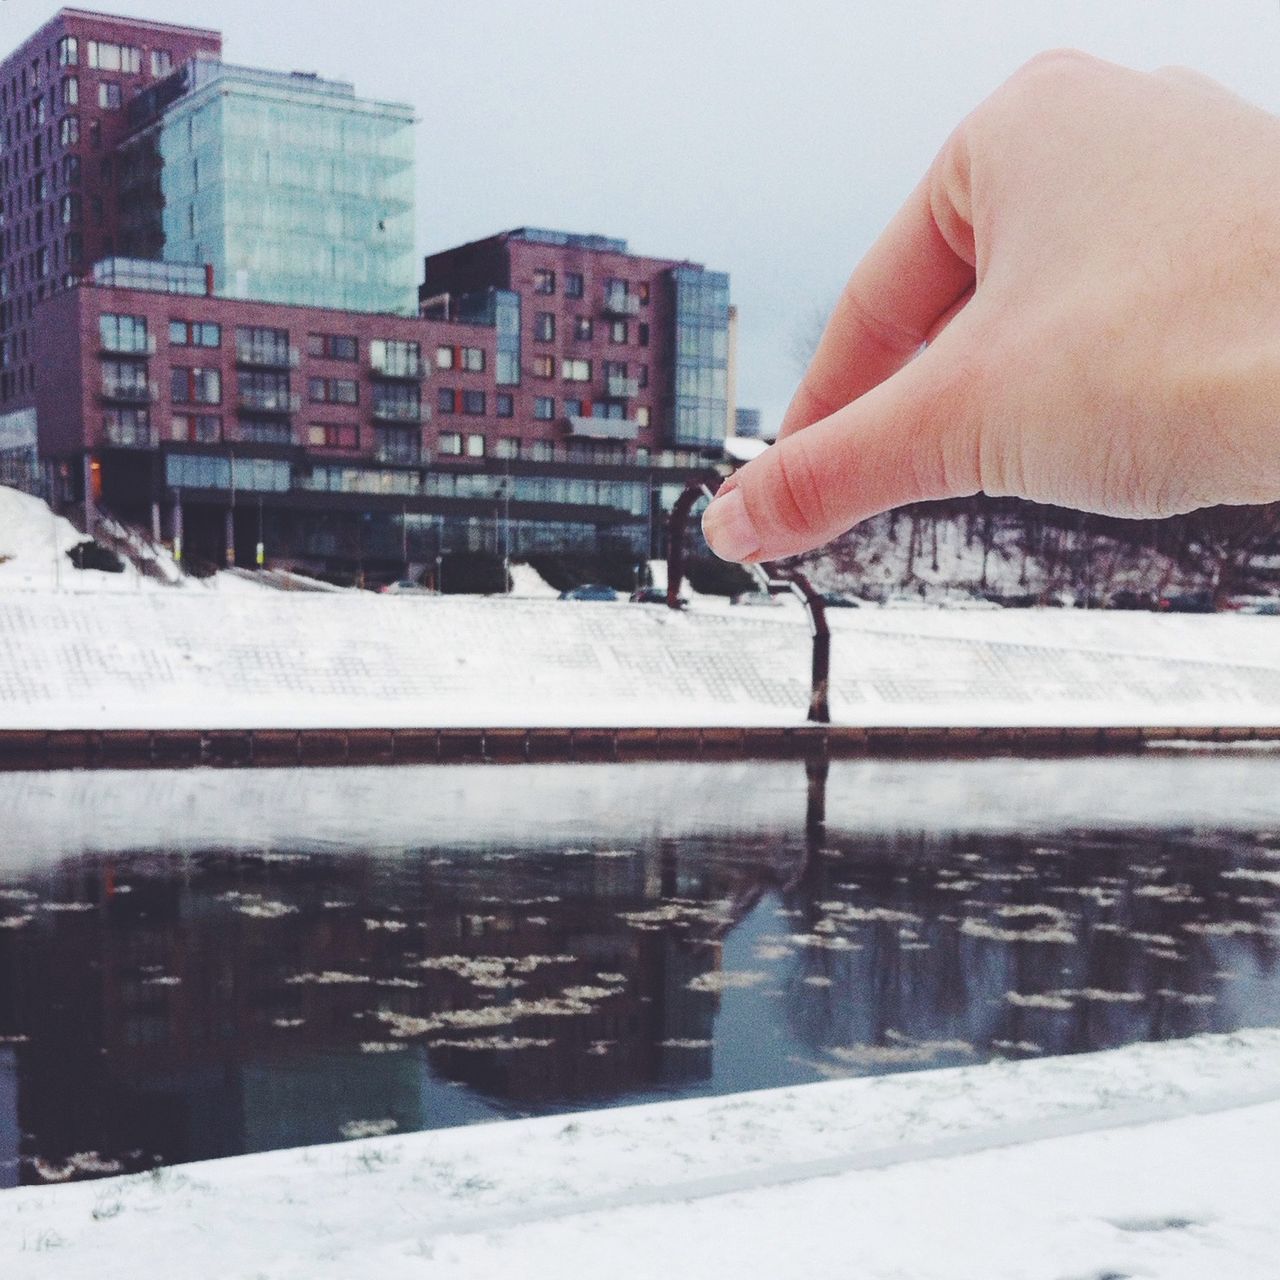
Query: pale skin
{"points": [[1079, 304]]}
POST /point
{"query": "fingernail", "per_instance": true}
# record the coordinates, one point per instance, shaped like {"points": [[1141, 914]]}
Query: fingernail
{"points": [[728, 529]]}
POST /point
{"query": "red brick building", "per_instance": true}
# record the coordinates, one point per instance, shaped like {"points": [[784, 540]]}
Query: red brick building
{"points": [[555, 392], [63, 94]]}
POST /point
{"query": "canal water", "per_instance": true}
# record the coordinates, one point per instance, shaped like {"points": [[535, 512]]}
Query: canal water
{"points": [[204, 963]]}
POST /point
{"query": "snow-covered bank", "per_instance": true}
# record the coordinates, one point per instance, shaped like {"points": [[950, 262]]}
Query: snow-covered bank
{"points": [[1154, 1160], [197, 659]]}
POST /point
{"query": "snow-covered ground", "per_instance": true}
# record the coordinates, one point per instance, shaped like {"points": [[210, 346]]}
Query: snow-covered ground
{"points": [[33, 556], [1157, 1161], [262, 659]]}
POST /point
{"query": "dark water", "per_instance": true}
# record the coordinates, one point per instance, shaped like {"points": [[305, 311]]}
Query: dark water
{"points": [[158, 1007]]}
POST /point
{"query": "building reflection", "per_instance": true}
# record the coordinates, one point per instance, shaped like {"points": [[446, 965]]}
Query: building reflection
{"points": [[165, 1008]]}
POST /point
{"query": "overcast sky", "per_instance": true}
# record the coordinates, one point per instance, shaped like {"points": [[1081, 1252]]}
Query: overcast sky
{"points": [[768, 139]]}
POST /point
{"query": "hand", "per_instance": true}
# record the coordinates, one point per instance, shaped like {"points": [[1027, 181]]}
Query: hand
{"points": [[1079, 304]]}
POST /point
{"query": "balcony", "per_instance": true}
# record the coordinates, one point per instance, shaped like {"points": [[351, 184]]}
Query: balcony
{"points": [[114, 347], [268, 402], [411, 368], [120, 435], [620, 388], [622, 305], [602, 428], [397, 412], [398, 455], [266, 357], [129, 392]]}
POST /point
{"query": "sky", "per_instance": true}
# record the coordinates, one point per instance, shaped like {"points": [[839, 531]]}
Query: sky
{"points": [[770, 140]]}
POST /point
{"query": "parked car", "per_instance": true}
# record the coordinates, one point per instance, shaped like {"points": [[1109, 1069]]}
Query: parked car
{"points": [[835, 600], [590, 591], [755, 598], [656, 595], [1264, 608], [1132, 600], [1189, 602], [406, 587]]}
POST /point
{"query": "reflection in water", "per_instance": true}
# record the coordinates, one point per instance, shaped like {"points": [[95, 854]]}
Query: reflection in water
{"points": [[159, 1007]]}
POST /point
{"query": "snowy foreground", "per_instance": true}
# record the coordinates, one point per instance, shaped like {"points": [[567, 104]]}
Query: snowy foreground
{"points": [[1154, 1161]]}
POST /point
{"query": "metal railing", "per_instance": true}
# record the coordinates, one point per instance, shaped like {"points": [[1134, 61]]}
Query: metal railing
{"points": [[397, 412], [268, 402], [622, 388], [267, 357], [400, 367], [130, 392], [617, 303]]}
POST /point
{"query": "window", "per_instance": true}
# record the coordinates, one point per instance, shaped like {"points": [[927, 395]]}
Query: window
{"points": [[123, 333], [544, 326], [507, 447], [544, 366], [582, 328], [108, 95], [333, 435], [68, 52], [332, 346], [642, 335], [195, 386], [504, 404], [397, 444], [264, 430], [447, 400], [642, 292], [642, 415], [573, 284], [473, 359], [643, 376], [125, 380], [95, 134], [444, 357], [194, 333], [397, 402], [473, 403], [544, 280], [161, 62], [196, 428], [333, 391], [257, 344], [618, 331], [539, 450], [70, 91], [128, 427], [71, 171], [475, 446], [573, 408], [396, 358], [69, 131], [115, 57], [264, 390], [544, 408], [451, 444], [70, 209], [576, 370]]}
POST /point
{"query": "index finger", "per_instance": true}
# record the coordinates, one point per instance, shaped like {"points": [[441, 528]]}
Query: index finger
{"points": [[920, 268]]}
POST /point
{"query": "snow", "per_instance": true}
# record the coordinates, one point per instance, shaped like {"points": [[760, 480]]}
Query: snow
{"points": [[237, 657], [33, 556], [1154, 1160]]}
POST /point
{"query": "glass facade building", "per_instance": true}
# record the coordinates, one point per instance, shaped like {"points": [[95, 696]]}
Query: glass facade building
{"points": [[701, 356], [294, 189]]}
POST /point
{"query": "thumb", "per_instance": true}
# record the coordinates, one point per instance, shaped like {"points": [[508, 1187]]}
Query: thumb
{"points": [[912, 438]]}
